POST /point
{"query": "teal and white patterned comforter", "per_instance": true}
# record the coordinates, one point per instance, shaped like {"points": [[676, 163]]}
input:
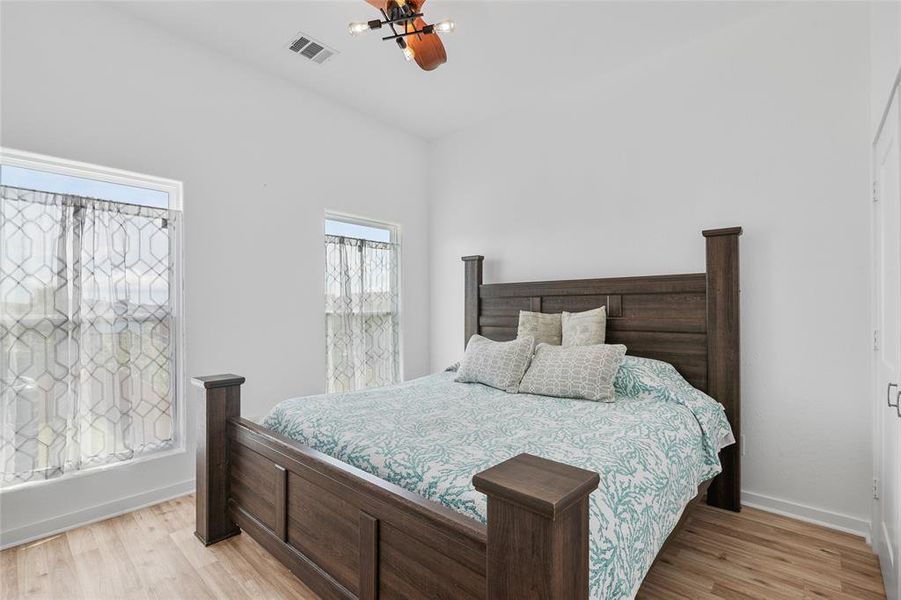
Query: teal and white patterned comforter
{"points": [[652, 447]]}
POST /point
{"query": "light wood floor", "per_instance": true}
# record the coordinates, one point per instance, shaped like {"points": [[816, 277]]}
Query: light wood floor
{"points": [[152, 553]]}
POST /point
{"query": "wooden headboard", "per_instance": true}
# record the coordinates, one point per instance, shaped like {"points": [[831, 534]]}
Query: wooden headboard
{"points": [[689, 320]]}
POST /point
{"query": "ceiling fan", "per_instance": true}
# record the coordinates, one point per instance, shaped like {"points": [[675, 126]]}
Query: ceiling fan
{"points": [[418, 40]]}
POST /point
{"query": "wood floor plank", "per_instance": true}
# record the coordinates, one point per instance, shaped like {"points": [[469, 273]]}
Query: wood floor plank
{"points": [[89, 570], [152, 553], [759, 560], [63, 579], [222, 582], [81, 541], [781, 585], [115, 574], [32, 571], [9, 576]]}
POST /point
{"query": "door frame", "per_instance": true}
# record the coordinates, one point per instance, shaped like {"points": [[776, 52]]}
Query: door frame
{"points": [[875, 537]]}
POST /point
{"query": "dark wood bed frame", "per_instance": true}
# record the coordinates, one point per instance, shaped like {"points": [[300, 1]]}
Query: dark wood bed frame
{"points": [[349, 534]]}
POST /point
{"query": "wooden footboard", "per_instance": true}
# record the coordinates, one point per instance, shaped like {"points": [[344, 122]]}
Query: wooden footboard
{"points": [[349, 534]]}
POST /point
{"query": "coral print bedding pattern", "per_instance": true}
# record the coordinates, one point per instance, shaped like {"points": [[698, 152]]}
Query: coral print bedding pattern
{"points": [[647, 378], [577, 372], [652, 448]]}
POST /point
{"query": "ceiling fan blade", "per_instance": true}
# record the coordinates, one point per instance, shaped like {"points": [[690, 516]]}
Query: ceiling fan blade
{"points": [[428, 48], [383, 4]]}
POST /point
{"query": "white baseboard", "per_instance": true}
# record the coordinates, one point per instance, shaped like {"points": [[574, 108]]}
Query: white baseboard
{"points": [[809, 514], [42, 529], [120, 506]]}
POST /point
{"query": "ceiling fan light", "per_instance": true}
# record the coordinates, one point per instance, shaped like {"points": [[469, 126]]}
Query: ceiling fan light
{"points": [[445, 26], [409, 54], [358, 28]]}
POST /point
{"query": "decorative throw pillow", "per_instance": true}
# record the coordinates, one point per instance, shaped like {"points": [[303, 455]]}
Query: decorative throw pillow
{"points": [[584, 328], [497, 364], [574, 372], [544, 327]]}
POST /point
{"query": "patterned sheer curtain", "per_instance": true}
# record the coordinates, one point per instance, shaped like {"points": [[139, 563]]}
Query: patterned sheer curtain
{"points": [[361, 313], [87, 359]]}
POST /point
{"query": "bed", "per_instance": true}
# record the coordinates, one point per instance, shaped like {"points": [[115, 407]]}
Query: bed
{"points": [[437, 489]]}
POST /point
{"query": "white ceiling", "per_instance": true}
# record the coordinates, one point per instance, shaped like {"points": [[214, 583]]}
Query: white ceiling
{"points": [[503, 54]]}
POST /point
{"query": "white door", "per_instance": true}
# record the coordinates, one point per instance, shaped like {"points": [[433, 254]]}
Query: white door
{"points": [[887, 344]]}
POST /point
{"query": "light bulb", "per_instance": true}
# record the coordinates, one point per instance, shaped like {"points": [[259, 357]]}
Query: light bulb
{"points": [[445, 26], [358, 28], [409, 54]]}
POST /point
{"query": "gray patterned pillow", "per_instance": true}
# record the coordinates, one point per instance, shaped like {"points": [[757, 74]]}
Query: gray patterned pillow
{"points": [[574, 372], [497, 364], [545, 328], [585, 328]]}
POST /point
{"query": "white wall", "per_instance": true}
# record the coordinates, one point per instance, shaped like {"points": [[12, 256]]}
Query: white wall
{"points": [[261, 161], [763, 126], [885, 56]]}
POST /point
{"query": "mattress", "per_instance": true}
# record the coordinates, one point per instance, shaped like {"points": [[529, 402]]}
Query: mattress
{"points": [[652, 447]]}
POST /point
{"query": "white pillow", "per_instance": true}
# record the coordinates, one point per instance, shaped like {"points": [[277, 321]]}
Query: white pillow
{"points": [[500, 365], [574, 372], [585, 328]]}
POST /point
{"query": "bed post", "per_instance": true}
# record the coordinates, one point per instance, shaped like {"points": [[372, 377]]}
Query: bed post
{"points": [[723, 367], [471, 296], [222, 401], [537, 529]]}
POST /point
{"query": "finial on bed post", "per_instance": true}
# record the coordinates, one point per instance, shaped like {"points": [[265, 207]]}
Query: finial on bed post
{"points": [[221, 402], [537, 528], [723, 368], [471, 296]]}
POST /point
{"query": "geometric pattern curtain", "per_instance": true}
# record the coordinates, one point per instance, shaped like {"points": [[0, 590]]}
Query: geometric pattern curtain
{"points": [[362, 320], [87, 353]]}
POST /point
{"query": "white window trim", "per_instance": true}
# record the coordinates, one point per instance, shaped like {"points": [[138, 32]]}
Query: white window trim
{"points": [[62, 166], [395, 230], [175, 190]]}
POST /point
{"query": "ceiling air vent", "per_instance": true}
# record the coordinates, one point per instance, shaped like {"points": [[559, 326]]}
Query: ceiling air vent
{"points": [[311, 49]]}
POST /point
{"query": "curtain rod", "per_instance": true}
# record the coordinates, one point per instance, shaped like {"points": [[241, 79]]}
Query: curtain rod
{"points": [[90, 198]]}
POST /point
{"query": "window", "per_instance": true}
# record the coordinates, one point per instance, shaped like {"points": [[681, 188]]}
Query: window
{"points": [[90, 331], [362, 317]]}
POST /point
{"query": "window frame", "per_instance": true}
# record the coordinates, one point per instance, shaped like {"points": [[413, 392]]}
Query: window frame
{"points": [[175, 190], [395, 229], [392, 228]]}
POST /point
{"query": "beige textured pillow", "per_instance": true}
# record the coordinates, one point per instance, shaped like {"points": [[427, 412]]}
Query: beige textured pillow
{"points": [[584, 328], [543, 327], [497, 364], [574, 372]]}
